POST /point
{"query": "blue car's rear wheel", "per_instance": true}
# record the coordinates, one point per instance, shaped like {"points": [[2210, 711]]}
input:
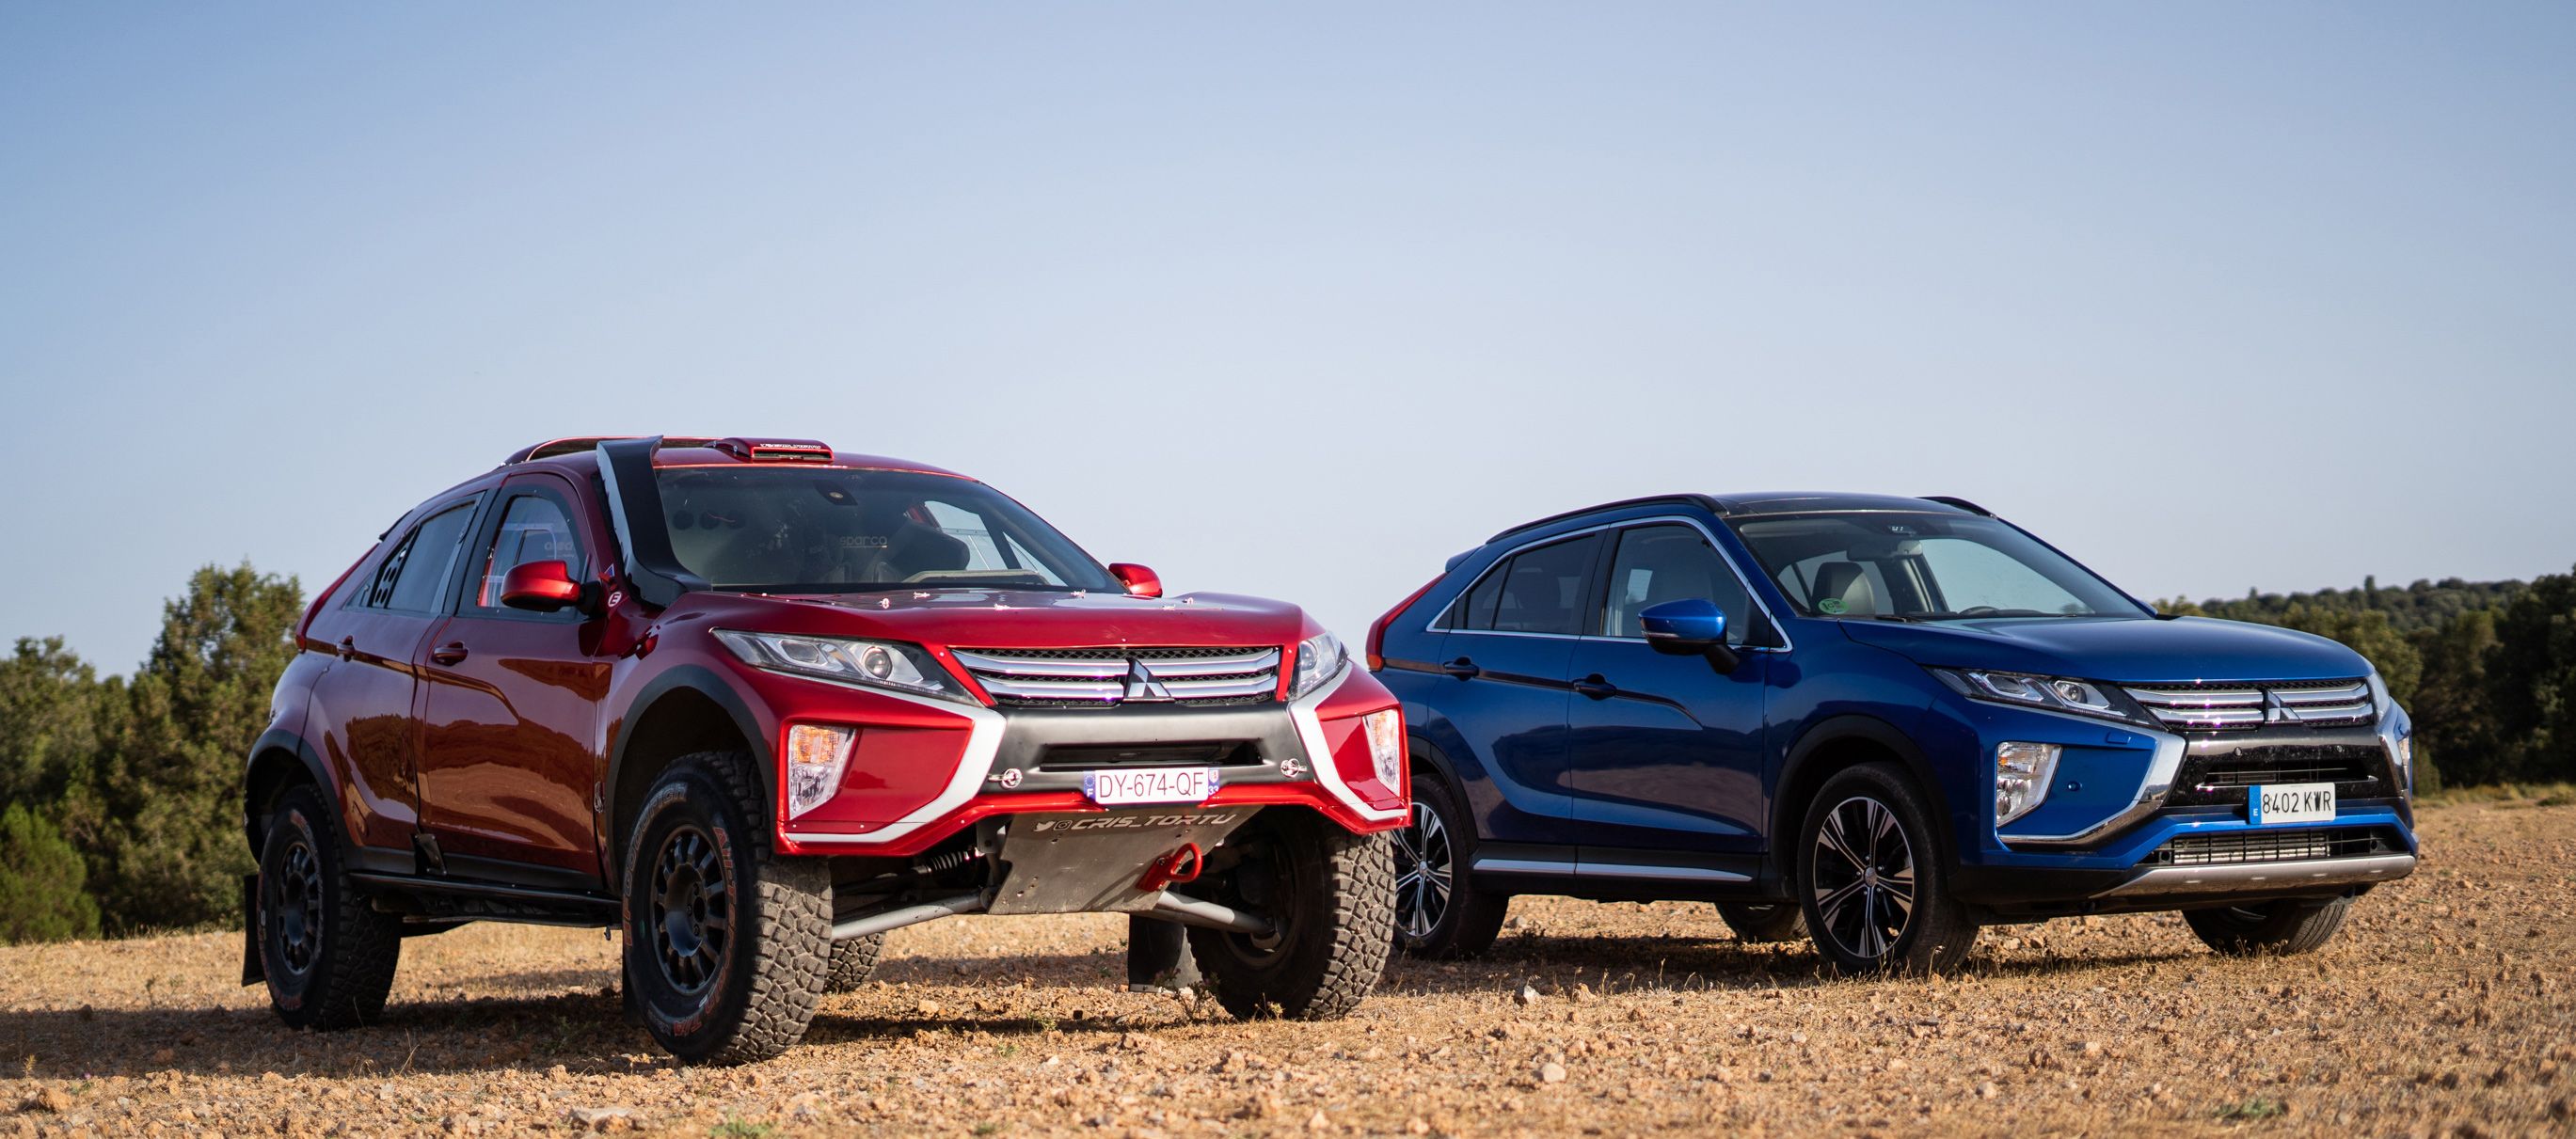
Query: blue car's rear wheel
{"points": [[1870, 881], [1439, 912]]}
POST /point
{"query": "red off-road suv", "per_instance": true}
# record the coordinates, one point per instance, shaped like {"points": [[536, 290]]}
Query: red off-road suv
{"points": [[756, 702]]}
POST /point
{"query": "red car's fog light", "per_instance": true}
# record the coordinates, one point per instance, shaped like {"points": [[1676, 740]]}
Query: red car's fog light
{"points": [[815, 756]]}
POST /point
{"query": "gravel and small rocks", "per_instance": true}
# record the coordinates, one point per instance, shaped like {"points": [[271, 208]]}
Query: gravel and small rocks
{"points": [[1586, 1019]]}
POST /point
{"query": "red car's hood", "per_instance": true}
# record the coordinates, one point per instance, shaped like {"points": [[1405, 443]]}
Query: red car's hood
{"points": [[999, 618]]}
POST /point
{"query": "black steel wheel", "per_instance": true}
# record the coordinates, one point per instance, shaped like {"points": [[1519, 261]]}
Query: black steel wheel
{"points": [[1439, 912], [2290, 925], [328, 954], [689, 919], [727, 943], [1870, 879], [1331, 896]]}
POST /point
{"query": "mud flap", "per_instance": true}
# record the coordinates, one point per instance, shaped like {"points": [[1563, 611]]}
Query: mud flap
{"points": [[254, 966], [1158, 956]]}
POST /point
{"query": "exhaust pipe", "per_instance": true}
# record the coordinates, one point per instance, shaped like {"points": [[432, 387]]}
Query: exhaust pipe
{"points": [[909, 915], [1191, 911]]}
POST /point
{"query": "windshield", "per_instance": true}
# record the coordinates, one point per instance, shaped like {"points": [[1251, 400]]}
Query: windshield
{"points": [[1925, 567], [833, 530]]}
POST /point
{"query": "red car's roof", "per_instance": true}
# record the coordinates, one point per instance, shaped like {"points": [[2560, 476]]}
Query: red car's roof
{"points": [[707, 451]]}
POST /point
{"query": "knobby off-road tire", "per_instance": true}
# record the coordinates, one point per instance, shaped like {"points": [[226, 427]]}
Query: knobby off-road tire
{"points": [[727, 943], [1332, 894], [1869, 878], [1439, 913], [853, 962], [2291, 925], [329, 955], [1777, 921]]}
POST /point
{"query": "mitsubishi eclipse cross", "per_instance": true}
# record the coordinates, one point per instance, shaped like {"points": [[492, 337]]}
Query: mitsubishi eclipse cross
{"points": [[1876, 722], [755, 702]]}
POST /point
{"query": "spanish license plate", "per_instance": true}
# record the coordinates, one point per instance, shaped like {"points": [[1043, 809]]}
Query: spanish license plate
{"points": [[2290, 803], [1149, 785]]}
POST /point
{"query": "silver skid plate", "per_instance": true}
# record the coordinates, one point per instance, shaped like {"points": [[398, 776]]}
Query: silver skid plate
{"points": [[1089, 862]]}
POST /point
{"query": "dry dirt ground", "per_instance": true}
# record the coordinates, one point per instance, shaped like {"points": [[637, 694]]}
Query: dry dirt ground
{"points": [[2444, 1006]]}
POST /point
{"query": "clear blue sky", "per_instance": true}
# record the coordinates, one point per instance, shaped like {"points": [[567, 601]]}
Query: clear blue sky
{"points": [[1298, 301]]}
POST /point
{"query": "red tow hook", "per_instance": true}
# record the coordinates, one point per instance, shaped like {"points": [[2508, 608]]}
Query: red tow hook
{"points": [[1167, 869]]}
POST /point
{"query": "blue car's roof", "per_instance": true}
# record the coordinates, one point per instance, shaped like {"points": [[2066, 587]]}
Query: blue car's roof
{"points": [[1768, 502]]}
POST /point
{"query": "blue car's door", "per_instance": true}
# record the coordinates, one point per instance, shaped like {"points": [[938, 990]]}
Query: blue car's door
{"points": [[1508, 643], [1665, 752]]}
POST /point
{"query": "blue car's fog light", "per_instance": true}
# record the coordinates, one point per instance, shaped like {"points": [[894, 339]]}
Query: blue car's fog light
{"points": [[2022, 772]]}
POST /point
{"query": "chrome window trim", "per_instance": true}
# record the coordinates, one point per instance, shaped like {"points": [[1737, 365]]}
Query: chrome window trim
{"points": [[1750, 594]]}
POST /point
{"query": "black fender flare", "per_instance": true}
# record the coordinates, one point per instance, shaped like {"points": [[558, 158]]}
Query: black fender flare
{"points": [[255, 772], [1843, 729], [1419, 745], [705, 682]]}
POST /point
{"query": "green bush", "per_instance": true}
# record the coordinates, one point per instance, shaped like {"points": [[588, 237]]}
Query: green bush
{"points": [[159, 813], [42, 880]]}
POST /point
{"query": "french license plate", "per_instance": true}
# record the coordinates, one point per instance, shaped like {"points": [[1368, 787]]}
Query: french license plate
{"points": [[1149, 785], [2290, 803]]}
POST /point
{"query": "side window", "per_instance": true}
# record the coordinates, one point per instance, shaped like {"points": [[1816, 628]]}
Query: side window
{"points": [[1656, 564], [410, 581], [1543, 590], [534, 527], [1476, 610]]}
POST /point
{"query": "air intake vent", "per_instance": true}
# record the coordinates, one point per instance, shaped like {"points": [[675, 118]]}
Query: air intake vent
{"points": [[2228, 848], [2225, 707], [1107, 677]]}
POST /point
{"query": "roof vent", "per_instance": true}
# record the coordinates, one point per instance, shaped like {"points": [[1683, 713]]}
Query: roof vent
{"points": [[775, 450]]}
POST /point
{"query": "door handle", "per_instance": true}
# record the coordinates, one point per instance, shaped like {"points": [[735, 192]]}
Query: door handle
{"points": [[1596, 687], [1463, 669], [348, 648], [449, 653]]}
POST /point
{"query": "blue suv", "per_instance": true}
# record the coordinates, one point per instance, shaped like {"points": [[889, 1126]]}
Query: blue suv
{"points": [[1876, 722]]}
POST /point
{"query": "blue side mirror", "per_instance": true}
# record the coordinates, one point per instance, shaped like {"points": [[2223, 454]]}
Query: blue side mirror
{"points": [[1689, 625]]}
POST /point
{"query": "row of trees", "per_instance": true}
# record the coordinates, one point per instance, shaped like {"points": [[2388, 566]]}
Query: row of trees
{"points": [[2487, 669], [120, 798]]}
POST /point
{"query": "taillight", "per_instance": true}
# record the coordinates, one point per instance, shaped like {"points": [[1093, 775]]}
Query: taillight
{"points": [[1377, 628]]}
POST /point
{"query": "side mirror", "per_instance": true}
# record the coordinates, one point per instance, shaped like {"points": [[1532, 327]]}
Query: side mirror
{"points": [[1139, 580], [540, 587], [1691, 626]]}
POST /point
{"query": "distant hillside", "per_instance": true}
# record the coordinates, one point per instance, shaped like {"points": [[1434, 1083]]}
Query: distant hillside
{"points": [[2423, 605]]}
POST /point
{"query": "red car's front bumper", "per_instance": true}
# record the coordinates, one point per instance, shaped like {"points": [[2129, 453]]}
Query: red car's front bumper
{"points": [[923, 769]]}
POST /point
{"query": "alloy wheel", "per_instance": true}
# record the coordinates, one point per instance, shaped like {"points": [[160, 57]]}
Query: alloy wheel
{"points": [[1863, 878], [692, 910], [295, 905], [1424, 868]]}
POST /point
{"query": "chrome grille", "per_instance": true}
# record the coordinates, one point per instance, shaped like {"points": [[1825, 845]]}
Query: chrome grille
{"points": [[2237, 847], [1103, 677], [2230, 706]]}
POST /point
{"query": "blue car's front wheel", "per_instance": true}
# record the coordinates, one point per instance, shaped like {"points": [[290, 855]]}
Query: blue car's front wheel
{"points": [[1869, 878]]}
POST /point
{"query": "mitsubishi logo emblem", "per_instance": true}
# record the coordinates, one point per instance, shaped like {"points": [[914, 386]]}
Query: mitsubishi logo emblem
{"points": [[2273, 712], [1141, 684]]}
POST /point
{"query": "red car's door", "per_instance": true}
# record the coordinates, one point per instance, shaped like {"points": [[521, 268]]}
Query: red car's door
{"points": [[360, 711], [510, 764]]}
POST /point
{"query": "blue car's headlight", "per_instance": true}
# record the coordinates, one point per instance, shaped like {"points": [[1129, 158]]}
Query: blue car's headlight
{"points": [[2049, 693]]}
